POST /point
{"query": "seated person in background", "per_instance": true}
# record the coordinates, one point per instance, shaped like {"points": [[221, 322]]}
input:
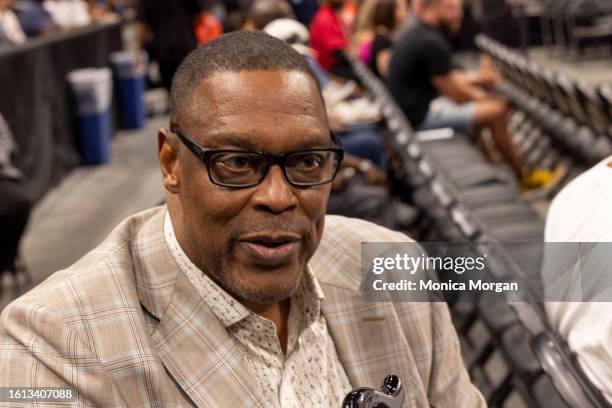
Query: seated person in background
{"points": [[14, 206], [208, 26], [421, 69], [329, 38], [582, 213], [361, 190], [241, 292], [263, 12], [10, 29], [34, 19], [101, 11], [68, 14], [377, 24]]}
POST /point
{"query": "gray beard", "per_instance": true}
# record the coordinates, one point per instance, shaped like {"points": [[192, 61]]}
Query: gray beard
{"points": [[243, 293]]}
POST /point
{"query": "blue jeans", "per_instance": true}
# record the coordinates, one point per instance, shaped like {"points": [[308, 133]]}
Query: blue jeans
{"points": [[365, 141], [443, 113]]}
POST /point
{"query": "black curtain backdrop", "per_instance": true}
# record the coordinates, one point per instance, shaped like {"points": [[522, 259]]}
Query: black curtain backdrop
{"points": [[37, 104]]}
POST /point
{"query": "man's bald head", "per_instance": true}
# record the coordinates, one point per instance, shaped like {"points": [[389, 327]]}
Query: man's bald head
{"points": [[233, 52]]}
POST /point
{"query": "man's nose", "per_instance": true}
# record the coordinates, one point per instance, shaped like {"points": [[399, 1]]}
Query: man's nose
{"points": [[274, 193]]}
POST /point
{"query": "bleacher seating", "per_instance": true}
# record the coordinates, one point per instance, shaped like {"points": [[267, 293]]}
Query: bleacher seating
{"points": [[485, 207], [555, 117]]}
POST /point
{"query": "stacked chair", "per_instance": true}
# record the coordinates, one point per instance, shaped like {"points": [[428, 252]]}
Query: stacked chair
{"points": [[464, 198], [555, 117], [572, 25]]}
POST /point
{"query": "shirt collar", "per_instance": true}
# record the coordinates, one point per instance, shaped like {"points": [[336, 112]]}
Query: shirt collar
{"points": [[312, 295], [225, 307], [228, 310]]}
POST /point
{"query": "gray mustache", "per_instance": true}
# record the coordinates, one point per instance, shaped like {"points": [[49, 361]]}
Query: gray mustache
{"points": [[287, 227]]}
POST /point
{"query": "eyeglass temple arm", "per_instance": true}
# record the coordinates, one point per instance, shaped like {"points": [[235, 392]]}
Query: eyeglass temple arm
{"points": [[191, 145]]}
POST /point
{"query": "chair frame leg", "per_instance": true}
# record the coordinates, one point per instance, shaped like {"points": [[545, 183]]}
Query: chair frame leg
{"points": [[501, 393]]}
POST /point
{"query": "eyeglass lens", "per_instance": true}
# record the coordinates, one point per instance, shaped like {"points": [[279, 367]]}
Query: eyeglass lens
{"points": [[311, 167]]}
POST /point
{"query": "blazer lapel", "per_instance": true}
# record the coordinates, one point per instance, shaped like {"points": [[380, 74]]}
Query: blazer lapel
{"points": [[369, 341], [201, 356], [194, 347]]}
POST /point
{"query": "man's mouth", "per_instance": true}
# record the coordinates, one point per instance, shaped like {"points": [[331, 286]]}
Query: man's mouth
{"points": [[270, 249]]}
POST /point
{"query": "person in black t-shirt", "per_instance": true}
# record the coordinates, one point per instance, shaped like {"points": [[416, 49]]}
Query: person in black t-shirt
{"points": [[421, 70], [420, 56], [167, 31], [381, 52]]}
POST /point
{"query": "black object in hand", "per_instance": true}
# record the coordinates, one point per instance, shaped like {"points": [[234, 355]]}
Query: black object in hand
{"points": [[391, 396]]}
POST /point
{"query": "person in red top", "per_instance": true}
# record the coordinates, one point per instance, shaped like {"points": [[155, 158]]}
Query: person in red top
{"points": [[329, 38]]}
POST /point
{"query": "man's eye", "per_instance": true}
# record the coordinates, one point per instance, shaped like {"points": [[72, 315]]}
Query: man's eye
{"points": [[309, 161], [238, 162]]}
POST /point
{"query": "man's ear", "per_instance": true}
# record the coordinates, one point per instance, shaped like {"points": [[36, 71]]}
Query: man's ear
{"points": [[167, 150]]}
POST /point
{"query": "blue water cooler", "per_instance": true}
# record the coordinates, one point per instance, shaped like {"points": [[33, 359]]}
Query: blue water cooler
{"points": [[92, 88], [130, 69]]}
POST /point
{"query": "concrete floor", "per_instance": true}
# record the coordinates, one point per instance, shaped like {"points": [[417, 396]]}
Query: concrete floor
{"points": [[74, 217]]}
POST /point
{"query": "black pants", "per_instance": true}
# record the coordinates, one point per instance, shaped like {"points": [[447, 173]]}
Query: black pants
{"points": [[360, 200], [15, 208]]}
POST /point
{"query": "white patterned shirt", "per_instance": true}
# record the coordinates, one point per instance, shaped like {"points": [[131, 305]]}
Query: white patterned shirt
{"points": [[311, 374]]}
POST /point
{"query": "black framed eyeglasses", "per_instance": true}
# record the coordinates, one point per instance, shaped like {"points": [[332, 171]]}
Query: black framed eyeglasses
{"points": [[243, 169]]}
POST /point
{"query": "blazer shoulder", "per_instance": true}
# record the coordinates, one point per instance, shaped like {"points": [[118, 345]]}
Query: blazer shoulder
{"points": [[337, 260], [103, 276]]}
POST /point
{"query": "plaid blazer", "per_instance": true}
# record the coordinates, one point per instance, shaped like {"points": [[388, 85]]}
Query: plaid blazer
{"points": [[125, 328]]}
